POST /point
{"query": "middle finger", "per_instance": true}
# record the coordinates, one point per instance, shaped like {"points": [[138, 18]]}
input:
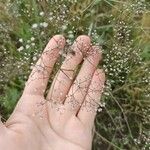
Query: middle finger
{"points": [[65, 75]]}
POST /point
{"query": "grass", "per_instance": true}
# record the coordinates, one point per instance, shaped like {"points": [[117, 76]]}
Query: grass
{"points": [[121, 28]]}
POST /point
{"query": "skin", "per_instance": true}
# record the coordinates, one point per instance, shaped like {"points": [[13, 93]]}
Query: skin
{"points": [[62, 119]]}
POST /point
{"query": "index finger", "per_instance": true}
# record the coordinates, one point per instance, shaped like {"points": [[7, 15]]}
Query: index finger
{"points": [[39, 76]]}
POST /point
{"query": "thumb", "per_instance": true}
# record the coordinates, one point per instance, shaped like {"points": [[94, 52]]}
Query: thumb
{"points": [[2, 126]]}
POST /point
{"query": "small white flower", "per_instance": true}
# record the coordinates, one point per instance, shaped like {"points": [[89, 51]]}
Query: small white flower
{"points": [[103, 104], [27, 46], [71, 36], [51, 13], [64, 27], [32, 38], [33, 44], [42, 33], [41, 13], [20, 48], [34, 58], [21, 40], [50, 18], [35, 25], [45, 24], [99, 109]]}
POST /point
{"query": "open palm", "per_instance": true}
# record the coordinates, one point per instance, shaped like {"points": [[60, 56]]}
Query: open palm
{"points": [[65, 118]]}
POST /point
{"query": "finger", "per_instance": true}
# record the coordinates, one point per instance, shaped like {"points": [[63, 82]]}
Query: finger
{"points": [[88, 109], [39, 76], [80, 86], [63, 79]]}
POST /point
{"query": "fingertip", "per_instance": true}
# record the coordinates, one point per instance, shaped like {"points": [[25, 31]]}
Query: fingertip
{"points": [[58, 36], [59, 39], [84, 38], [82, 44]]}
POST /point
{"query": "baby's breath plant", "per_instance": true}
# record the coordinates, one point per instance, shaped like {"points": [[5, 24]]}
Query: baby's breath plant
{"points": [[120, 28]]}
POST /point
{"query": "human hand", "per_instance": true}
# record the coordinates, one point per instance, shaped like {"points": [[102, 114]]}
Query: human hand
{"points": [[65, 118]]}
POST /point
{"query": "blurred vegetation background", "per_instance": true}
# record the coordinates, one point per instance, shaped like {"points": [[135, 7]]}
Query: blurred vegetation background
{"points": [[120, 27]]}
